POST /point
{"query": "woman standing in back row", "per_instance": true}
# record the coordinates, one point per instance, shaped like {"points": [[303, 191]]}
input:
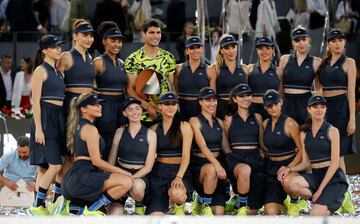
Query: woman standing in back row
{"points": [[337, 76], [228, 72], [111, 83], [47, 134], [264, 75], [190, 77], [298, 72]]}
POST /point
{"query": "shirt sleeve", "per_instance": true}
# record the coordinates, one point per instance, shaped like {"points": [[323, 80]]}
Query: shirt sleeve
{"points": [[130, 65], [172, 64], [4, 161]]}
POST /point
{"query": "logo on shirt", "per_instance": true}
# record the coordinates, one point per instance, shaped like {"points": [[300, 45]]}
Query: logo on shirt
{"points": [[322, 137], [307, 67], [336, 67], [200, 73], [241, 74], [278, 133], [218, 129], [271, 74], [141, 140], [252, 122]]}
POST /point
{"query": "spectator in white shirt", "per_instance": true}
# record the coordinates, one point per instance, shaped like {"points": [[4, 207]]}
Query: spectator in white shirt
{"points": [[21, 97]]}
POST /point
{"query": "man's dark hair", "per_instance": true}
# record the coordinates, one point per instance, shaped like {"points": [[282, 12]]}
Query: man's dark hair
{"points": [[150, 23], [23, 141]]}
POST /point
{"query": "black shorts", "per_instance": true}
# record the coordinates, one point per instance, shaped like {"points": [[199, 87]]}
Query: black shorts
{"points": [[219, 196], [259, 109], [53, 126], [338, 115], [257, 178], [83, 184], [188, 109], [295, 106], [161, 177], [333, 194], [110, 120], [274, 191]]}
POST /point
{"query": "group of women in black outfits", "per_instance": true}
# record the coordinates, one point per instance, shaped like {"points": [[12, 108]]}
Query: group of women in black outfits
{"points": [[257, 127]]}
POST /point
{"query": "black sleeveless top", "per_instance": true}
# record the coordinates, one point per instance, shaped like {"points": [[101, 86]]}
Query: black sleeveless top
{"points": [[334, 77], [163, 144], [318, 148], [299, 77], [226, 81], [190, 83], [113, 79], [277, 142], [53, 87], [81, 73], [212, 135], [133, 150], [244, 133], [260, 83], [80, 146]]}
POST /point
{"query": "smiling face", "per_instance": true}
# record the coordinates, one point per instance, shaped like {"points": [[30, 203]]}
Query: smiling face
{"points": [[112, 45], [53, 52], [208, 105], [152, 36], [92, 111], [133, 112], [84, 40], [274, 110], [229, 52], [243, 101], [317, 111], [169, 109], [337, 45], [195, 52], [301, 44], [265, 52]]}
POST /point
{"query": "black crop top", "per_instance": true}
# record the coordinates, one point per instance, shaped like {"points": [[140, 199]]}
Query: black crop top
{"points": [[277, 142], [80, 146], [318, 148], [163, 144]]}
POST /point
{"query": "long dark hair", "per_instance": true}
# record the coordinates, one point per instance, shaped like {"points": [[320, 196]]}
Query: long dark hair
{"points": [[232, 105], [326, 59], [30, 64], [38, 57], [307, 124], [174, 132]]}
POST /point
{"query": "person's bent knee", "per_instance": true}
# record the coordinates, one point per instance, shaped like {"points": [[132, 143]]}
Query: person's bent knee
{"points": [[177, 195], [210, 171], [243, 171]]}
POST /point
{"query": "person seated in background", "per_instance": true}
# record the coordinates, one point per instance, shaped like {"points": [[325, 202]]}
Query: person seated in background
{"points": [[6, 83], [16, 165], [20, 101]]}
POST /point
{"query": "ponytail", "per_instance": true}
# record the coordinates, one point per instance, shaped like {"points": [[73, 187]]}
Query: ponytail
{"points": [[326, 59], [38, 58], [307, 124], [72, 122], [175, 135]]}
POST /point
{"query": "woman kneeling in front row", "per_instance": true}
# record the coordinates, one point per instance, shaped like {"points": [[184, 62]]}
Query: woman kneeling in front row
{"points": [[326, 185]]}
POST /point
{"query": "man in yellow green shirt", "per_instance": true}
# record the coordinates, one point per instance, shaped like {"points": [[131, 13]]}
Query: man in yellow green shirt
{"points": [[150, 56]]}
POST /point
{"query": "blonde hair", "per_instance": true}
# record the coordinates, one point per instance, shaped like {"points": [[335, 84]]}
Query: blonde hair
{"points": [[75, 23], [219, 57], [73, 120]]}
